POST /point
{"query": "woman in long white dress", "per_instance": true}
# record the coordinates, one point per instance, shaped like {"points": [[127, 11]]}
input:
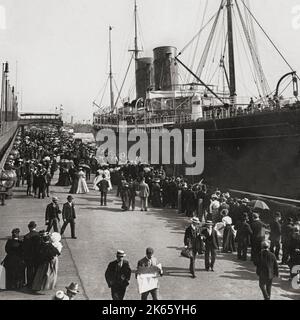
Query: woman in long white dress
{"points": [[98, 178], [82, 185]]}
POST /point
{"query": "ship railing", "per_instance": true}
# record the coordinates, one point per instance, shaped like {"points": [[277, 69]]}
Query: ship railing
{"points": [[214, 113]]}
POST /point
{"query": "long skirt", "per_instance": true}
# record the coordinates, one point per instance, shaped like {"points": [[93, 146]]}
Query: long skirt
{"points": [[74, 186], [228, 239], [15, 275], [46, 276], [82, 186]]}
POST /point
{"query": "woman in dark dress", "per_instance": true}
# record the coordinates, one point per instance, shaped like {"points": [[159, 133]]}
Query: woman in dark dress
{"points": [[14, 263], [156, 194], [75, 179], [46, 275]]}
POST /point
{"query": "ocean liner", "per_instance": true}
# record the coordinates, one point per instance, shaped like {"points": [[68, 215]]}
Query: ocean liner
{"points": [[8, 111], [250, 144]]}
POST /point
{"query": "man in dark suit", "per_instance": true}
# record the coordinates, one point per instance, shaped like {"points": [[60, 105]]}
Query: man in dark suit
{"points": [[118, 275], [286, 236], [193, 241], [211, 245], [103, 186], [69, 216], [52, 215], [258, 236], [243, 237], [275, 235], [267, 269], [31, 246]]}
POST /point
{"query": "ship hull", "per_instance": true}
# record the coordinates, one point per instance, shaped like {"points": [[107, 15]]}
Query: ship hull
{"points": [[254, 153]]}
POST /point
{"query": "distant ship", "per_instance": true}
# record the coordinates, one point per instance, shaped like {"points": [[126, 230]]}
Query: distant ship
{"points": [[8, 112], [251, 145]]}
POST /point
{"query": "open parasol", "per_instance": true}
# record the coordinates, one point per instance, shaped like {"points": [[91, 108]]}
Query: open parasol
{"points": [[259, 204]]}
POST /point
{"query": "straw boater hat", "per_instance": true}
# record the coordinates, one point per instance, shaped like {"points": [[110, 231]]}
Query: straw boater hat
{"points": [[121, 253], [208, 223], [195, 220], [73, 287], [59, 295]]}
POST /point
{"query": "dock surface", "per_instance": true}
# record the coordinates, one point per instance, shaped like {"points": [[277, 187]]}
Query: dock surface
{"points": [[101, 231]]}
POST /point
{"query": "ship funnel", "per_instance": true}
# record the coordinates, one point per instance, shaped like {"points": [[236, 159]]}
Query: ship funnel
{"points": [[144, 76], [6, 69], [165, 68]]}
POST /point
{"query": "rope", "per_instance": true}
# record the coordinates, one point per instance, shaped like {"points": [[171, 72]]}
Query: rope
{"points": [[255, 58], [117, 100], [276, 48], [254, 75], [198, 40], [209, 41], [192, 40], [104, 90]]}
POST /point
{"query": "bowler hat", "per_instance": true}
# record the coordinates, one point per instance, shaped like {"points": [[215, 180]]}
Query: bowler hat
{"points": [[73, 287], [32, 224], [70, 197]]}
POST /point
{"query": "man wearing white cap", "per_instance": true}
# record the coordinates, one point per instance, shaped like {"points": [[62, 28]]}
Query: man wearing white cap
{"points": [[193, 241], [118, 275]]}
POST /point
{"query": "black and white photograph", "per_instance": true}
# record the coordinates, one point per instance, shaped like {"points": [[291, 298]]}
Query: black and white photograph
{"points": [[149, 150]]}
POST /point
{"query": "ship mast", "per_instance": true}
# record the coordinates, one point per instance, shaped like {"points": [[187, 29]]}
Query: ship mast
{"points": [[136, 48], [232, 85], [110, 74]]}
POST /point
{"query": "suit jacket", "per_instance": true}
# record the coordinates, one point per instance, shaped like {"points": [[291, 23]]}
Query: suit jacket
{"points": [[211, 241], [116, 276], [52, 211], [68, 212], [275, 234], [103, 185], [267, 267], [31, 245], [144, 190], [259, 230], [287, 232], [193, 240], [244, 232]]}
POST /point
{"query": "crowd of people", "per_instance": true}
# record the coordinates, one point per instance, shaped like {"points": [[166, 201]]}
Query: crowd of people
{"points": [[217, 218], [40, 153]]}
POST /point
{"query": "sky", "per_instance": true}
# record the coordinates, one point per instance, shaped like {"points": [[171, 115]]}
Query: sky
{"points": [[58, 49]]}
